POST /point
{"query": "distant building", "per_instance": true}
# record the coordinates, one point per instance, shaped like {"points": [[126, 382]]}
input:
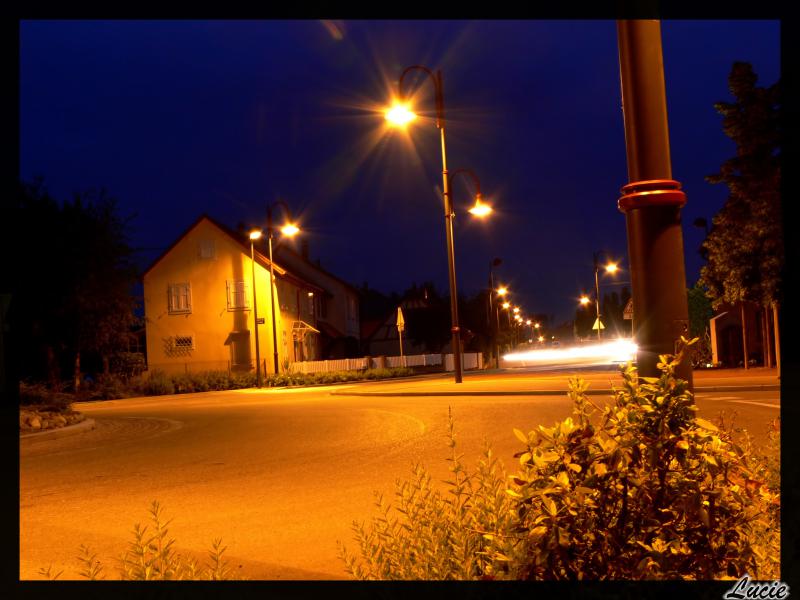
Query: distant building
{"points": [[337, 306], [727, 342], [198, 305], [381, 338]]}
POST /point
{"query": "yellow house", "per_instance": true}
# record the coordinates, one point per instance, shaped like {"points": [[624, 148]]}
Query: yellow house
{"points": [[200, 310]]}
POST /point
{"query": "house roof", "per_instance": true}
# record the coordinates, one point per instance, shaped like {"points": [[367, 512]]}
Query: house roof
{"points": [[281, 249], [260, 258]]}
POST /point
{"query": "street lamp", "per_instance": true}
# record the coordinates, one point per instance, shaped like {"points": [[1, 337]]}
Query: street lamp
{"points": [[255, 235], [401, 115], [493, 309], [611, 267], [289, 229]]}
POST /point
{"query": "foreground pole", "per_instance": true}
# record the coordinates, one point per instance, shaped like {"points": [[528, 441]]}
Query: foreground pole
{"points": [[651, 201]]}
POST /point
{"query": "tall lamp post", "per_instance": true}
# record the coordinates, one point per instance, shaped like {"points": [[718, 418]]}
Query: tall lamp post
{"points": [[401, 115], [611, 267], [288, 230], [501, 292], [255, 235], [490, 316]]}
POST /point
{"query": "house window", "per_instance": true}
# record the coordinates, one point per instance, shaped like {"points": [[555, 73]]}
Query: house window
{"points": [[311, 303], [184, 342], [207, 249], [179, 298], [238, 296]]}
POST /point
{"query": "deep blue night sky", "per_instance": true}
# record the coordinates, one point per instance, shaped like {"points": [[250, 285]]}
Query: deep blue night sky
{"points": [[179, 118]]}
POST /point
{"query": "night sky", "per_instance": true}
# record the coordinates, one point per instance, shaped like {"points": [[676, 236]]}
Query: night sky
{"points": [[179, 118]]}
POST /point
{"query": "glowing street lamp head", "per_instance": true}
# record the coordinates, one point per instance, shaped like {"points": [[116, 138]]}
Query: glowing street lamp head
{"points": [[290, 230], [584, 300], [516, 310], [399, 115], [255, 234], [480, 209], [541, 338], [506, 305], [536, 325], [528, 322], [612, 267]]}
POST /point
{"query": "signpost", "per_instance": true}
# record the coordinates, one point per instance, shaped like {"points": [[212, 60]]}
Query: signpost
{"points": [[401, 325]]}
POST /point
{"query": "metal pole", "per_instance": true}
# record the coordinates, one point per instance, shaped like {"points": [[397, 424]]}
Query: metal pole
{"points": [[271, 298], [494, 333], [448, 216], [255, 315], [597, 295], [651, 201]]}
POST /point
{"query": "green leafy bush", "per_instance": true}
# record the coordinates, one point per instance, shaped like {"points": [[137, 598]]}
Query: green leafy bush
{"points": [[437, 535], [109, 387], [156, 384], [639, 489], [150, 557], [43, 397]]}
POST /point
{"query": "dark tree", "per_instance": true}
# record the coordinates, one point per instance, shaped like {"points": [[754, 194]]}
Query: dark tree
{"points": [[73, 293], [745, 244], [744, 248]]}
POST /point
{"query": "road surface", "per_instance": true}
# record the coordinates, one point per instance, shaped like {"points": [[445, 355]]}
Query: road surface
{"points": [[278, 474]]}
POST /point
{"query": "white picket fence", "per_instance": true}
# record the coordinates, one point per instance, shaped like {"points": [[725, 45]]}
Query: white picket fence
{"points": [[471, 360]]}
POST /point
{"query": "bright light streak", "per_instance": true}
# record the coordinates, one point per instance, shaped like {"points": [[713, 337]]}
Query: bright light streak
{"points": [[480, 209], [400, 115], [618, 351], [290, 230]]}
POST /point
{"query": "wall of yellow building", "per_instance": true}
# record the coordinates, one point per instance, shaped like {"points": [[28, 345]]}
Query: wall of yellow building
{"points": [[210, 321]]}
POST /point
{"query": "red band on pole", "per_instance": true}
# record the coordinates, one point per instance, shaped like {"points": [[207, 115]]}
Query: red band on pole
{"points": [[658, 192]]}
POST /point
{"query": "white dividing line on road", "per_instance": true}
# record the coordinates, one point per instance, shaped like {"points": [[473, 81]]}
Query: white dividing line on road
{"points": [[757, 403], [740, 400]]}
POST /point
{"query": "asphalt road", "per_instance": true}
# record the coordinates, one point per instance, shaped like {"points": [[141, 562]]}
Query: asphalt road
{"points": [[278, 474]]}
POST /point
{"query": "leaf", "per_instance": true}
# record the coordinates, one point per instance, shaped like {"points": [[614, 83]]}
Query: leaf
{"points": [[575, 467], [521, 436], [682, 445], [600, 469], [705, 424]]}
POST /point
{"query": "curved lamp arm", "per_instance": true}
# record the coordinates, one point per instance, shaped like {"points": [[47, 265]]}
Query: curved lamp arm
{"points": [[438, 87]]}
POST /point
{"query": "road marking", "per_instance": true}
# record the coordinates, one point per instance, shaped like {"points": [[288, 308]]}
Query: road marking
{"points": [[709, 397], [757, 403]]}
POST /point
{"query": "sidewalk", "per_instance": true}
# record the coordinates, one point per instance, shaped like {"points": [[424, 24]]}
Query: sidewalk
{"points": [[511, 382]]}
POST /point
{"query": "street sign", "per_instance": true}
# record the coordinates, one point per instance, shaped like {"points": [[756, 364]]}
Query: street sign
{"points": [[628, 312], [401, 322], [598, 322]]}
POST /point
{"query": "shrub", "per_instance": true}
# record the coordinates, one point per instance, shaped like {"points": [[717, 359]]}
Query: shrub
{"points": [[437, 536], [43, 397], [156, 384], [109, 387], [127, 364], [641, 489], [150, 557]]}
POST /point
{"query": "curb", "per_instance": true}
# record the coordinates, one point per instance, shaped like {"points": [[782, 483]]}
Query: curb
{"points": [[590, 392], [51, 434]]}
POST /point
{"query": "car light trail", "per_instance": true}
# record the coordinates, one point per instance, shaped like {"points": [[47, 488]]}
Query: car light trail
{"points": [[618, 351]]}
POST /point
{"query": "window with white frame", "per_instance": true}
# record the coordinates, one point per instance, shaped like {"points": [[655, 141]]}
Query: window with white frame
{"points": [[179, 298], [238, 295], [207, 249]]}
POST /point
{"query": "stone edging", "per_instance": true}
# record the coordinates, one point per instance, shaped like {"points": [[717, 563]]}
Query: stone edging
{"points": [[85, 425]]}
